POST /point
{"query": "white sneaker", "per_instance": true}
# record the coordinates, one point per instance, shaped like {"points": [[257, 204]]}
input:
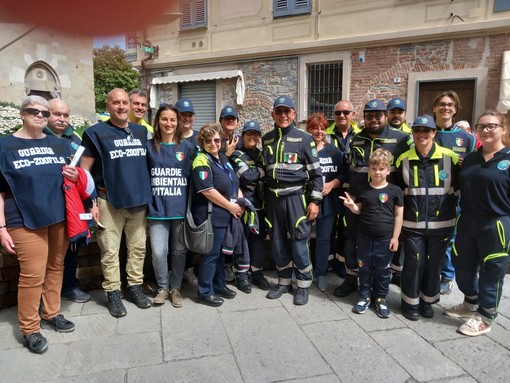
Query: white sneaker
{"points": [[474, 327], [190, 277], [462, 310], [161, 297]]}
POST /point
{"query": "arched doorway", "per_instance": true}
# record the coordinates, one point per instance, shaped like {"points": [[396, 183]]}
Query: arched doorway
{"points": [[42, 80]]}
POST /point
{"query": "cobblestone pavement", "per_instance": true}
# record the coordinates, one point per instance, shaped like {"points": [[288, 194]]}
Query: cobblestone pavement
{"points": [[254, 339]]}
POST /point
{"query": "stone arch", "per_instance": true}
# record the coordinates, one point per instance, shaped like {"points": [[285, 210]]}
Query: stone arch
{"points": [[42, 80]]}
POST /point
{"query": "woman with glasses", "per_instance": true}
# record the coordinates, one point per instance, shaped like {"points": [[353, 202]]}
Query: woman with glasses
{"points": [[169, 160], [483, 241], [427, 173], [215, 181], [33, 219], [450, 135], [333, 175]]}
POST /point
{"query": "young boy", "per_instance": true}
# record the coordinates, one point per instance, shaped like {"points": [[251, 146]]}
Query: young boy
{"points": [[380, 206]]}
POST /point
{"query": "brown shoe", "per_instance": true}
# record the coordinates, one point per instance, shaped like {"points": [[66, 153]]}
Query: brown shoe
{"points": [[176, 298], [161, 297]]}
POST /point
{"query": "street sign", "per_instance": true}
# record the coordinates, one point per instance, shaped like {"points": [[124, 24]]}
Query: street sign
{"points": [[147, 48]]}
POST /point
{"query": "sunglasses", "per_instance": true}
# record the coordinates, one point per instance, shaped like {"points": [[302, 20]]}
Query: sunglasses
{"points": [[210, 141], [279, 112], [422, 130], [487, 127], [344, 112], [35, 112], [130, 135], [371, 116]]}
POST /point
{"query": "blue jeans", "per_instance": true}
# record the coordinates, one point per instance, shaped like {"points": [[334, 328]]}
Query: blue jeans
{"points": [[211, 272], [69, 281], [323, 227], [160, 232]]}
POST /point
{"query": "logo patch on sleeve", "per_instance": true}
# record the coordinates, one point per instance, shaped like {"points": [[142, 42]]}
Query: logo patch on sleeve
{"points": [[203, 175], [503, 165], [443, 174]]}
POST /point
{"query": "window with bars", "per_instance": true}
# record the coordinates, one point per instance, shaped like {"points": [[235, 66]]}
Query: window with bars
{"points": [[194, 14], [283, 8], [324, 87]]}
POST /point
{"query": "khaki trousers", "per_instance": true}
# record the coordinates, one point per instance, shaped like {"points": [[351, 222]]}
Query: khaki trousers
{"points": [[134, 224]]}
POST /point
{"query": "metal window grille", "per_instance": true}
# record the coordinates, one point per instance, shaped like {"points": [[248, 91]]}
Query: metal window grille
{"points": [[324, 87]]}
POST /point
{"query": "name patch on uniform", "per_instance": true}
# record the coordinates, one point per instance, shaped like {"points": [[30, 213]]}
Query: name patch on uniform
{"points": [[503, 165], [267, 142], [358, 142], [459, 150], [383, 197], [459, 141], [203, 175], [290, 158], [443, 174], [294, 139], [390, 141], [179, 156]]}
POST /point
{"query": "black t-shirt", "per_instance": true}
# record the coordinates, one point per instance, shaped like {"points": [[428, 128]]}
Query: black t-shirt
{"points": [[378, 210]]}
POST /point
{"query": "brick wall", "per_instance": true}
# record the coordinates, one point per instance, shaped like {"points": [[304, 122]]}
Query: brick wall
{"points": [[374, 77]]}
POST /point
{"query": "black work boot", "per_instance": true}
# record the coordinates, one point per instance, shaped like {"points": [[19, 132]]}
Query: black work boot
{"points": [[278, 291], [258, 279], [136, 296], [115, 305], [349, 286], [301, 297]]}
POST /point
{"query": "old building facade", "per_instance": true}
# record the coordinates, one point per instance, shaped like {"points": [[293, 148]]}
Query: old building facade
{"points": [[320, 51]]}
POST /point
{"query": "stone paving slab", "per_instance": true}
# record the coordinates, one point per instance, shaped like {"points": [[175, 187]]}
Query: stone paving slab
{"points": [[112, 353], [19, 365], [270, 338], [193, 331], [116, 376], [87, 327], [213, 369], [416, 355], [481, 357], [352, 354]]}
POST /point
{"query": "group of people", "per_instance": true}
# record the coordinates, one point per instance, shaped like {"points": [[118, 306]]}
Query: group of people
{"points": [[384, 201]]}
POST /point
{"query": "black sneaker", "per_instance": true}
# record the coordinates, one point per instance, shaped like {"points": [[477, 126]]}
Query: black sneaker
{"points": [[278, 291], [301, 297], [382, 308], [135, 295], [36, 343], [76, 295], [349, 286], [115, 305], [59, 324]]}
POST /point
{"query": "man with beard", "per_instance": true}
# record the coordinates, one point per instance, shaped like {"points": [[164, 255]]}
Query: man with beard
{"points": [[377, 134], [397, 115]]}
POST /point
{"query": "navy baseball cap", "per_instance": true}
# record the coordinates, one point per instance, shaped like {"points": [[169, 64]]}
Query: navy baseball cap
{"points": [[283, 101], [425, 121], [185, 105], [374, 106], [397, 103], [251, 126], [229, 111]]}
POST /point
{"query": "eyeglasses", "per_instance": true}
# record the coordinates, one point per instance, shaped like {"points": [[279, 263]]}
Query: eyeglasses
{"points": [[130, 135], [344, 112], [422, 130], [35, 112], [487, 127], [58, 114], [210, 141], [280, 111], [371, 116], [446, 105]]}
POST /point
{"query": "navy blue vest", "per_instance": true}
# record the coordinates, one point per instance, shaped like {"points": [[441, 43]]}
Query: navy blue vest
{"points": [[123, 163], [170, 172], [32, 168]]}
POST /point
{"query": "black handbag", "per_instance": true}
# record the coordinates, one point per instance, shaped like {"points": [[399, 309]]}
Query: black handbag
{"points": [[198, 238]]}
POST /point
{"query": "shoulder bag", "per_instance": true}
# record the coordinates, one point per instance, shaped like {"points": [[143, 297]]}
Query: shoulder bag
{"points": [[198, 238]]}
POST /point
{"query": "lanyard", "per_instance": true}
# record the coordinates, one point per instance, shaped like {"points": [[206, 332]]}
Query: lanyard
{"points": [[223, 167]]}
